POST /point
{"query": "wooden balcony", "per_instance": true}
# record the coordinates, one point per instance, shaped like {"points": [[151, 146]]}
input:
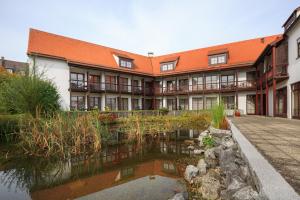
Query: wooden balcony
{"points": [[208, 88]]}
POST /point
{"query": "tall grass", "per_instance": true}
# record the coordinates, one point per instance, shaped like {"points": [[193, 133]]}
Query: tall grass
{"points": [[61, 135], [218, 115]]}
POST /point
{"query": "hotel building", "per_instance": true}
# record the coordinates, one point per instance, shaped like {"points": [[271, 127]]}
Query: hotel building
{"points": [[245, 75]]}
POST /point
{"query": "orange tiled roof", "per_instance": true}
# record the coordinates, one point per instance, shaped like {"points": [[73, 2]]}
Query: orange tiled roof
{"points": [[76, 51]]}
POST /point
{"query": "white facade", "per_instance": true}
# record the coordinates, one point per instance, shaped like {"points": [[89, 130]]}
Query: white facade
{"points": [[58, 72], [294, 63]]}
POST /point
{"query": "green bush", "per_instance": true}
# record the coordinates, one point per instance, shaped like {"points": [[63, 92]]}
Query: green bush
{"points": [[28, 94], [218, 115], [163, 111], [9, 125], [208, 141]]}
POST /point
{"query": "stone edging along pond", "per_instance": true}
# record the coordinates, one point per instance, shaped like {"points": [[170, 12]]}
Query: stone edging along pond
{"points": [[232, 170]]}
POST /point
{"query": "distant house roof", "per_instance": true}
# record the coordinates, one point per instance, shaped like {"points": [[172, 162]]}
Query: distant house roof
{"points": [[16, 66], [241, 53]]}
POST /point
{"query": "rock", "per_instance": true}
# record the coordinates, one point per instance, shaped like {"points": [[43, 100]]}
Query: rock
{"points": [[201, 136], [189, 142], [245, 172], [211, 163], [210, 185], [227, 157], [190, 172], [227, 142], [235, 184], [198, 151], [209, 153], [218, 132], [217, 151], [179, 196], [245, 193], [202, 166], [191, 147]]}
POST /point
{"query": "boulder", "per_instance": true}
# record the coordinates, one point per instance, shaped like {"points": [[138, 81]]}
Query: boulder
{"points": [[198, 151], [245, 172], [191, 147], [210, 187], [227, 157], [202, 166], [219, 132], [190, 172], [210, 153], [179, 196], [227, 141], [245, 193], [235, 184]]}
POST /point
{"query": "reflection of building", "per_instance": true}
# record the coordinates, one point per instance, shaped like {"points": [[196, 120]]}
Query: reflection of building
{"points": [[107, 179]]}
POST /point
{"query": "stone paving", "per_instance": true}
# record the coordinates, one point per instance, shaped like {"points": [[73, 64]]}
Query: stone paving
{"points": [[278, 140]]}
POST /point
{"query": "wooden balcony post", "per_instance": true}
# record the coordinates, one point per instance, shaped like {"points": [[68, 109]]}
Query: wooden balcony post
{"points": [[273, 79]]}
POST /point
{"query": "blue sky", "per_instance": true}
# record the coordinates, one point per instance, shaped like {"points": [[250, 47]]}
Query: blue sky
{"points": [[161, 26]]}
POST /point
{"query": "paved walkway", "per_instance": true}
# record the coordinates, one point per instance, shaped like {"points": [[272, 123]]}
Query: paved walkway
{"points": [[279, 142]]}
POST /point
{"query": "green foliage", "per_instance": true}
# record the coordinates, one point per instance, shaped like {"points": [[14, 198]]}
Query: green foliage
{"points": [[208, 141], [9, 126], [28, 94], [218, 115], [163, 111]]}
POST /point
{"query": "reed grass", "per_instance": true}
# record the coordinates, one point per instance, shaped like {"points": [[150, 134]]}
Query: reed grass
{"points": [[61, 135], [218, 115]]}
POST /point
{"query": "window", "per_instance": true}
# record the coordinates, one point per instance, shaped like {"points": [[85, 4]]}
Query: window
{"points": [[197, 103], [250, 104], [183, 104], [171, 104], [227, 82], [211, 82], [111, 103], [110, 83], [126, 172], [123, 84], [217, 59], [210, 102], [183, 84], [135, 86], [124, 104], [77, 80], [171, 86], [135, 104], [127, 63], [298, 47], [77, 102], [94, 102], [167, 66], [228, 102], [197, 83], [94, 82], [158, 103]]}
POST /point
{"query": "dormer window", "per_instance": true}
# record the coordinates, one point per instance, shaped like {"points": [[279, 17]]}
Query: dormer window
{"points": [[126, 63], [217, 59], [167, 66]]}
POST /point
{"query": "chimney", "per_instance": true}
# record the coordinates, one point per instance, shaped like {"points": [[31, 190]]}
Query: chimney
{"points": [[150, 54]]}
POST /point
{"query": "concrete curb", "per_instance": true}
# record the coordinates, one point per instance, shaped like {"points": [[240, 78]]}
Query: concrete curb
{"points": [[270, 183]]}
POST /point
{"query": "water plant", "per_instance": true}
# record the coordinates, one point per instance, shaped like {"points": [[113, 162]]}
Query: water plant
{"points": [[208, 141], [61, 135], [218, 115]]}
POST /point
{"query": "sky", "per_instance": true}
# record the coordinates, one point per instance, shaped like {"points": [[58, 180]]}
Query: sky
{"points": [[141, 26]]}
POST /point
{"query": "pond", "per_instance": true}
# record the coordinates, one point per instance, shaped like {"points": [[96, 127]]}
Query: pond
{"points": [[121, 171]]}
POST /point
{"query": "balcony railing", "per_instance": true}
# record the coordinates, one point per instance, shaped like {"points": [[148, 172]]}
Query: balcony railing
{"points": [[211, 87], [78, 85]]}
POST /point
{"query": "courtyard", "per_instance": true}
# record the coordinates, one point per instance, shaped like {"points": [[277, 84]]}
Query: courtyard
{"points": [[278, 140]]}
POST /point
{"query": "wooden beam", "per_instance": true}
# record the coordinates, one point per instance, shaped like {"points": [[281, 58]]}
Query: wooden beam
{"points": [[274, 80]]}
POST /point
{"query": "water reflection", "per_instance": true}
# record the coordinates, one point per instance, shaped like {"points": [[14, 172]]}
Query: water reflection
{"points": [[125, 164]]}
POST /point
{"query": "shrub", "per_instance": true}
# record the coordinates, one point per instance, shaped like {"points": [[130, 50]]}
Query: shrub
{"points": [[9, 125], [163, 111], [218, 115], [208, 141], [28, 94]]}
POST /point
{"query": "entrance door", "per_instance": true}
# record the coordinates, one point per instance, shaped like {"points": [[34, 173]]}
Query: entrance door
{"points": [[250, 106]]}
